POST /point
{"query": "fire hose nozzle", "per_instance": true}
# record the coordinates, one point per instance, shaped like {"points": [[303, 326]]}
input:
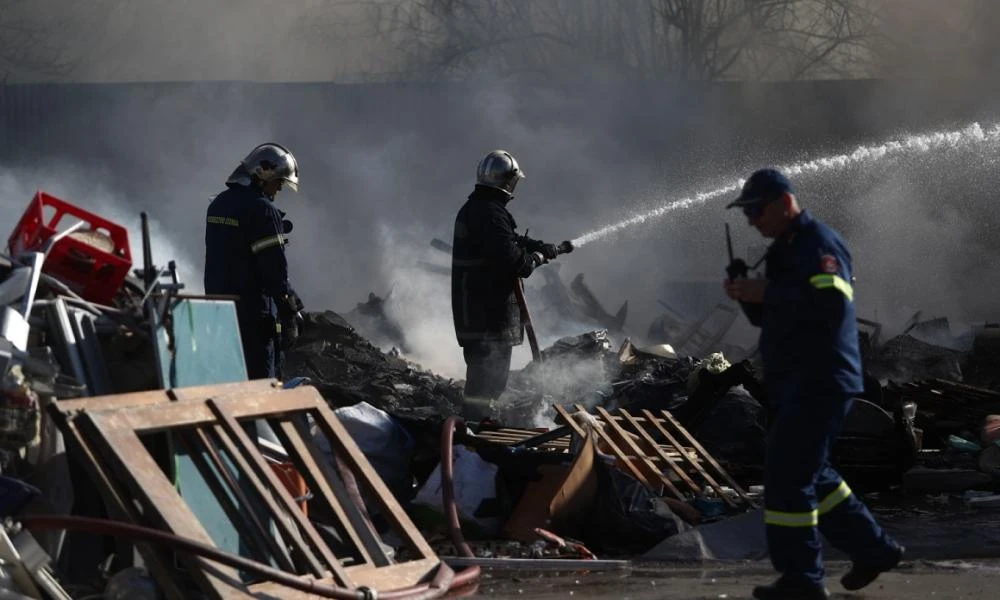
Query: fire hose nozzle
{"points": [[565, 247]]}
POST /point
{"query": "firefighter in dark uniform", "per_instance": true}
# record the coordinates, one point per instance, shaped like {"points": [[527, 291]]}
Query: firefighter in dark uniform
{"points": [[487, 258], [812, 368], [245, 239]]}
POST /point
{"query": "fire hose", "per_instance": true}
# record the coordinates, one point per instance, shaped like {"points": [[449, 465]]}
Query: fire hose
{"points": [[529, 326], [445, 579]]}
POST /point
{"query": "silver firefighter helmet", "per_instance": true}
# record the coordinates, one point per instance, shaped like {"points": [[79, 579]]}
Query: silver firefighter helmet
{"points": [[499, 170], [267, 162]]}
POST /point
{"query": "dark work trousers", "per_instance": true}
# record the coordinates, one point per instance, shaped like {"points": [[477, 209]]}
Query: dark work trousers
{"points": [[487, 367], [803, 494], [260, 347]]}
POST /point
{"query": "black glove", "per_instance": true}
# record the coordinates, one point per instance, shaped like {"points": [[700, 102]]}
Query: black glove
{"points": [[289, 305], [289, 333], [289, 308], [549, 251], [527, 244]]}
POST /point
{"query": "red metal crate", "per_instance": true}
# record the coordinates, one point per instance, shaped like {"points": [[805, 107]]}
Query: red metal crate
{"points": [[94, 273]]}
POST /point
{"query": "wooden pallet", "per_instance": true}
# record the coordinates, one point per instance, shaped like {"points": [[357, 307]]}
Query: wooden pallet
{"points": [[658, 451], [209, 422]]}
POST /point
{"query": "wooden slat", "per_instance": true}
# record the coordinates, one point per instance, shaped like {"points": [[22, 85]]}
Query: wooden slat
{"points": [[570, 421], [708, 457], [263, 533], [243, 520], [345, 447], [656, 448], [245, 447], [290, 534], [633, 470], [116, 506], [134, 466], [316, 467], [658, 424], [643, 461]]}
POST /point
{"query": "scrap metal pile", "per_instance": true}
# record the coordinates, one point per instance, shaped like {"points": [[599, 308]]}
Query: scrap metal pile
{"points": [[137, 461]]}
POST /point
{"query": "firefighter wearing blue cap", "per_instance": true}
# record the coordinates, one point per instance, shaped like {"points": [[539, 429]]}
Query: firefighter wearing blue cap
{"points": [[812, 368]]}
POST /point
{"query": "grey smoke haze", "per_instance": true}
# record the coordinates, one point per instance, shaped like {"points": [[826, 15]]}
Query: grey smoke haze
{"points": [[385, 168]]}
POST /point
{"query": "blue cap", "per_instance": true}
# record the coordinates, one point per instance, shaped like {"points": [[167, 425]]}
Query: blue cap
{"points": [[763, 186]]}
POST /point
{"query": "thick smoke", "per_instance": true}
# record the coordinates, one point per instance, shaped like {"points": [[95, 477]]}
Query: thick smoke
{"points": [[385, 168]]}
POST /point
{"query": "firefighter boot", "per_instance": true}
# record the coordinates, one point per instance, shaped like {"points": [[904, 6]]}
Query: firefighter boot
{"points": [[861, 575], [791, 589]]}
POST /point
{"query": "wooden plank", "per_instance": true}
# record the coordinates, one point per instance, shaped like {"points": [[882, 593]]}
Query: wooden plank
{"points": [[577, 429], [263, 406], [245, 447], [134, 466], [158, 417], [93, 403], [261, 532], [644, 462], [345, 447], [239, 519], [395, 576], [116, 506], [633, 470], [658, 423], [291, 535], [199, 393], [662, 454], [316, 467], [708, 457]]}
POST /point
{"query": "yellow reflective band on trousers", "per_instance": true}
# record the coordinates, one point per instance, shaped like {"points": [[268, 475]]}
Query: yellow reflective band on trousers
{"points": [[843, 492], [265, 243], [822, 282], [791, 519]]}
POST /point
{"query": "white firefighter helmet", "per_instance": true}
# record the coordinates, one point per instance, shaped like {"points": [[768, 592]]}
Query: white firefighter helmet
{"points": [[499, 170], [268, 162]]}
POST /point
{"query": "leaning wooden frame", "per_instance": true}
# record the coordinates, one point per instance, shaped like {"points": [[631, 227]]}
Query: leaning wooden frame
{"points": [[659, 452], [335, 544]]}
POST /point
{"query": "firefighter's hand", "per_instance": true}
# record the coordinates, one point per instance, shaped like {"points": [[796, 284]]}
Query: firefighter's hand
{"points": [[750, 291], [290, 328], [549, 251]]}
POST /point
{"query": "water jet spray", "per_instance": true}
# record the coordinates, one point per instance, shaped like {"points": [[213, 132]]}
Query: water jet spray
{"points": [[911, 144]]}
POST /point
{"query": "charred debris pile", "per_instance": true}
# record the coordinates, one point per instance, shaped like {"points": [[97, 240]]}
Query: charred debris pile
{"points": [[661, 442]]}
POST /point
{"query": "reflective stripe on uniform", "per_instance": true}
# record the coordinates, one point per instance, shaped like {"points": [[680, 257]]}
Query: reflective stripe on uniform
{"points": [[824, 281], [267, 242], [841, 493], [791, 519], [224, 221]]}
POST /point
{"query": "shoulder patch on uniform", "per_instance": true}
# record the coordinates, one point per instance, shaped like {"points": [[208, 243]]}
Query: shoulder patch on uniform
{"points": [[828, 263]]}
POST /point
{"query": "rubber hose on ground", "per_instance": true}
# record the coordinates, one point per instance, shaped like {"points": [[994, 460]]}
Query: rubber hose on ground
{"points": [[444, 579], [470, 574]]}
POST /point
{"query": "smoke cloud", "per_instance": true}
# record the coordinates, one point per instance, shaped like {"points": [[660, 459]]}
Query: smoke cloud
{"points": [[386, 167]]}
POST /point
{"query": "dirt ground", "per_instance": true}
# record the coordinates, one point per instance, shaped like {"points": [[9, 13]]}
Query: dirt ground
{"points": [[912, 580]]}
